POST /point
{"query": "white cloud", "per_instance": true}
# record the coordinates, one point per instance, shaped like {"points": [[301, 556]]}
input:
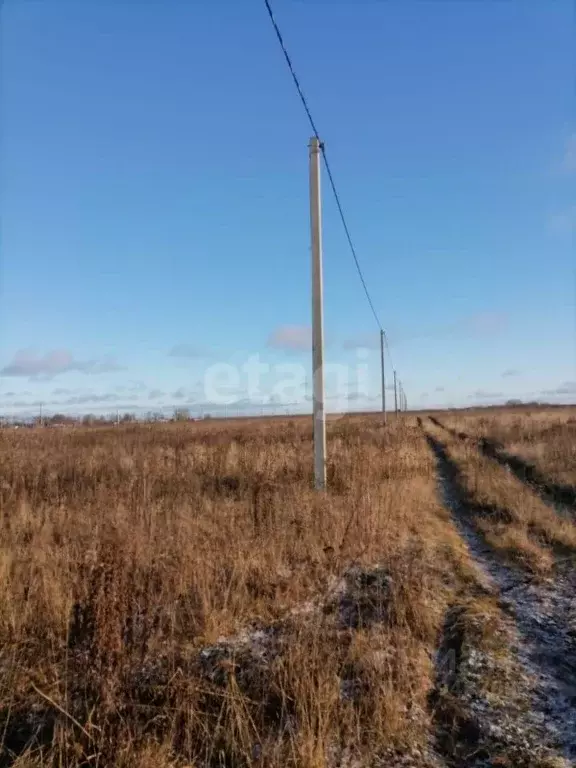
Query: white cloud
{"points": [[86, 399], [295, 338], [82, 399], [566, 388], [482, 394], [27, 363]]}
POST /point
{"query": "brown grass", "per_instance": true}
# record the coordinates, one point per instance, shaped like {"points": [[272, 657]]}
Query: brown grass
{"points": [[126, 554], [543, 437], [513, 518]]}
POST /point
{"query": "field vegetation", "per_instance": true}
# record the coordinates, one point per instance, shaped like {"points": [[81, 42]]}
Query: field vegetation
{"points": [[542, 437], [178, 595]]}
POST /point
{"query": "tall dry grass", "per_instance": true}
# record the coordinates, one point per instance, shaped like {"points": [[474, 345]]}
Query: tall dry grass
{"points": [[179, 595], [513, 518], [543, 437]]}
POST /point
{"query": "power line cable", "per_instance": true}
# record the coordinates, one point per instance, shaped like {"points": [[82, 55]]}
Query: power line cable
{"points": [[328, 169], [291, 68], [350, 243], [386, 344]]}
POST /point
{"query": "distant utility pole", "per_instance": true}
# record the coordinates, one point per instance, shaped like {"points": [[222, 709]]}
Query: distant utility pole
{"points": [[383, 376], [319, 416], [395, 394], [40, 419]]}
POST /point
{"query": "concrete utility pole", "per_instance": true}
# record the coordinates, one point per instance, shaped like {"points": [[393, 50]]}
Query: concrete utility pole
{"points": [[395, 394], [317, 317], [383, 376]]}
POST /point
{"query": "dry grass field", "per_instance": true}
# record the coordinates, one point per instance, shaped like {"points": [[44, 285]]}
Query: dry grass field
{"points": [[178, 595], [544, 438]]}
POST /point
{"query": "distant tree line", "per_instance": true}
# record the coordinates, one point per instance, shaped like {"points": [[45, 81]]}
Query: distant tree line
{"points": [[101, 420]]}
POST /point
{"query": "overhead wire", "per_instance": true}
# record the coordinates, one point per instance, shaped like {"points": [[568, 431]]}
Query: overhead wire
{"points": [[325, 158], [387, 346], [291, 68], [329, 172]]}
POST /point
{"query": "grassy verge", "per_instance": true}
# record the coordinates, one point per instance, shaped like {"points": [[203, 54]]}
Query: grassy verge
{"points": [[544, 438], [513, 519], [178, 595]]}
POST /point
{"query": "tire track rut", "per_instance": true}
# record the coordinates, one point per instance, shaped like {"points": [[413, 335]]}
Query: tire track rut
{"points": [[543, 624], [551, 492]]}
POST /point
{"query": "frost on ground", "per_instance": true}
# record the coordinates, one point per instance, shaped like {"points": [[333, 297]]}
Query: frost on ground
{"points": [[357, 599], [533, 717], [510, 704]]}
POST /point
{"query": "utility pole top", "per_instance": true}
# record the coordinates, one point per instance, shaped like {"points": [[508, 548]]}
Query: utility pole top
{"points": [[315, 144]]}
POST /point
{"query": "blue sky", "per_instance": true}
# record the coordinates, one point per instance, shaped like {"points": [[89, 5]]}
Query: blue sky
{"points": [[155, 198]]}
